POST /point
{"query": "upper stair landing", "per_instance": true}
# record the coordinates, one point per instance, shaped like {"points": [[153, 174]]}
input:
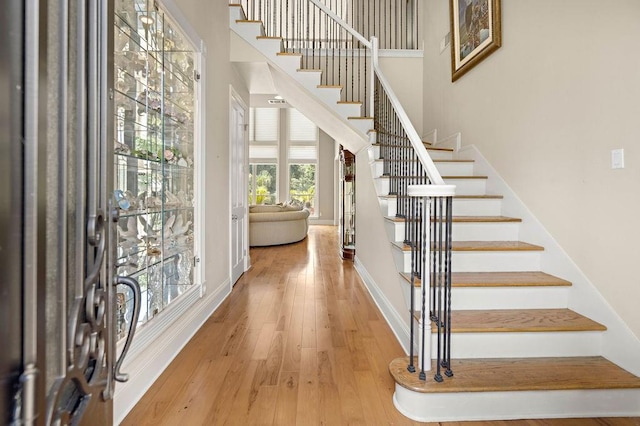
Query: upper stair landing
{"points": [[300, 87]]}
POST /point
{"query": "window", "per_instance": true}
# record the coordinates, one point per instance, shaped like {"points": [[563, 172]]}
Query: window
{"points": [[302, 159], [263, 181], [291, 167], [263, 155], [302, 184]]}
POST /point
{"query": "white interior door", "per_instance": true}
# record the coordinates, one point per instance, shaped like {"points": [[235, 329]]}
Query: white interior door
{"points": [[238, 181]]}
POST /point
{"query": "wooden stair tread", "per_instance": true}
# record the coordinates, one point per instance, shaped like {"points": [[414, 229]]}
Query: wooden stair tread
{"points": [[379, 160], [506, 279], [499, 279], [429, 148], [468, 219], [247, 21], [288, 54], [521, 320], [308, 70], [519, 374], [483, 246], [501, 219], [350, 102], [261, 37], [328, 86], [360, 118], [466, 177], [474, 197], [494, 246]]}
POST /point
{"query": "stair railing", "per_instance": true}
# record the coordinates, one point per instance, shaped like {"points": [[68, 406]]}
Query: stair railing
{"points": [[324, 40], [425, 203], [393, 22], [347, 59]]}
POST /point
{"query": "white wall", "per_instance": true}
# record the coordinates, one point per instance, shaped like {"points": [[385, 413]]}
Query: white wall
{"points": [[405, 77], [373, 252], [546, 109], [210, 21], [326, 177]]}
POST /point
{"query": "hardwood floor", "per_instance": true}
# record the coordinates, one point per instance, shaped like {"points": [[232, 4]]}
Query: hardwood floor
{"points": [[298, 342]]}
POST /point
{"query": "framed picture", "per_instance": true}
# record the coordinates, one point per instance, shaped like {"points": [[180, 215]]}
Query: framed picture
{"points": [[475, 33]]}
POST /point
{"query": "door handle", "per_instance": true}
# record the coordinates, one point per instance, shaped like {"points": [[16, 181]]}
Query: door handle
{"points": [[234, 217], [135, 288]]}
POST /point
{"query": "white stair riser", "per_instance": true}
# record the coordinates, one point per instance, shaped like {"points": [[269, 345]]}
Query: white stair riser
{"points": [[461, 207], [522, 345], [463, 186], [388, 206], [440, 155], [456, 406], [481, 231], [382, 186], [455, 169], [310, 80], [498, 261], [477, 206], [377, 168], [270, 47], [234, 14], [363, 125], [445, 169], [329, 95], [395, 230], [247, 30], [402, 259], [349, 110], [289, 63], [468, 186], [485, 261], [471, 298], [476, 231], [435, 155]]}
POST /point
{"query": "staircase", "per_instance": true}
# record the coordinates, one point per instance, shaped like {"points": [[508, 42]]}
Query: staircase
{"points": [[518, 351]]}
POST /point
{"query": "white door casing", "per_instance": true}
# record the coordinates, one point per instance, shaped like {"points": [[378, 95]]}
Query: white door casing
{"points": [[238, 186]]}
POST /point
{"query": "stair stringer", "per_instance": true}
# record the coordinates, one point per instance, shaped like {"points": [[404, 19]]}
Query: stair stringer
{"points": [[298, 88], [618, 343], [322, 114]]}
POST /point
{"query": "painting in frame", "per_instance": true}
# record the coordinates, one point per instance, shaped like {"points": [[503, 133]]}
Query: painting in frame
{"points": [[475, 33]]}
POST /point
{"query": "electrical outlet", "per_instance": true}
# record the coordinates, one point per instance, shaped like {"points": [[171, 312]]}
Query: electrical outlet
{"points": [[617, 159]]}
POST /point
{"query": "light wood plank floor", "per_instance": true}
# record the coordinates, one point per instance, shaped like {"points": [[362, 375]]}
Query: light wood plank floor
{"points": [[298, 342]]}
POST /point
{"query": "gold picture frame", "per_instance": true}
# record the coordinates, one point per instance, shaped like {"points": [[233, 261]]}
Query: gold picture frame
{"points": [[475, 33]]}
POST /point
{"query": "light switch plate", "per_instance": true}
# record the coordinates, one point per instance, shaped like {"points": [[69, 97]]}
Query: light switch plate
{"points": [[617, 159]]}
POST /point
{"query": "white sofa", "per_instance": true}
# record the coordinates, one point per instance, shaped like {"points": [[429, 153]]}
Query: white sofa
{"points": [[271, 225]]}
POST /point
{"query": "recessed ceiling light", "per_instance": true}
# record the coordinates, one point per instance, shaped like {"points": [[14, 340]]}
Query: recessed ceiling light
{"points": [[146, 20]]}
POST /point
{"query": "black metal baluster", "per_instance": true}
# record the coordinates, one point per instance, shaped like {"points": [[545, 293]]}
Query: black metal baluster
{"points": [[440, 303], [432, 265], [449, 229]]}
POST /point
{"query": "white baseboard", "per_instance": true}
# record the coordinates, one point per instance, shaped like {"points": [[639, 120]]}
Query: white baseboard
{"points": [[390, 314], [146, 364]]}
